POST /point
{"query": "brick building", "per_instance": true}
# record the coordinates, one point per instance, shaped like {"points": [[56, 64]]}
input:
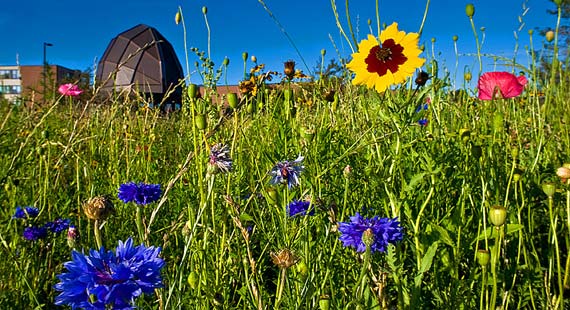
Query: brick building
{"points": [[26, 83]]}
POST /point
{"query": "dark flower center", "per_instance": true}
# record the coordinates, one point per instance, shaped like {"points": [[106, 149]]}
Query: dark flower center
{"points": [[387, 57]]}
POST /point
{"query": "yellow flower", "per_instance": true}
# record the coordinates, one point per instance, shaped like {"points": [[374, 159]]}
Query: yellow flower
{"points": [[390, 63]]}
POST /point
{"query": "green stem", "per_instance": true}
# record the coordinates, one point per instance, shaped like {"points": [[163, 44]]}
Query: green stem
{"points": [[282, 280], [97, 231], [138, 220], [556, 251]]}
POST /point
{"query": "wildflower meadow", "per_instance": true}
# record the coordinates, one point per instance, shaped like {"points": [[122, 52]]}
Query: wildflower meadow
{"points": [[379, 187]]}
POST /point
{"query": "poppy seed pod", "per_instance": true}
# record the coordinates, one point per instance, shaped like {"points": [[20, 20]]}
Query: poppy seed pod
{"points": [[324, 302], [467, 76], [323, 52], [244, 56], [232, 100], [192, 91], [98, 208], [226, 62], [483, 257], [204, 10], [497, 215], [455, 38], [549, 35], [470, 10], [549, 189]]}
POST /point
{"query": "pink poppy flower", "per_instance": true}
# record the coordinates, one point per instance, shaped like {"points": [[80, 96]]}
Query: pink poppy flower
{"points": [[69, 90], [501, 84]]}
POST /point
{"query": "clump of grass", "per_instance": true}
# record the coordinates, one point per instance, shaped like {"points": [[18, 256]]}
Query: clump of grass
{"points": [[227, 235]]}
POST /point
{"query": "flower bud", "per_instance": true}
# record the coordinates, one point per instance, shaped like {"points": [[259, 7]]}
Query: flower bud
{"points": [[193, 279], [201, 121], [253, 58], [467, 76], [98, 208], [272, 196], [244, 56], [465, 134], [177, 17], [226, 62], [549, 189], [455, 38], [368, 237], [302, 269], [549, 36], [204, 10], [422, 78], [470, 10], [72, 236], [323, 52], [483, 257], [530, 32], [347, 171], [233, 100], [284, 258], [369, 22], [432, 40], [497, 215], [557, 2]]}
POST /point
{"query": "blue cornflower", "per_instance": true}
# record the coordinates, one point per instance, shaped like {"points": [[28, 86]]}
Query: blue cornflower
{"points": [[26, 212], [34, 233], [384, 231], [106, 280], [58, 225], [423, 122], [297, 207], [220, 159], [422, 107], [287, 172], [140, 193]]}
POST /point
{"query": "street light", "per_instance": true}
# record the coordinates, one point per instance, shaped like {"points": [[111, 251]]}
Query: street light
{"points": [[44, 71]]}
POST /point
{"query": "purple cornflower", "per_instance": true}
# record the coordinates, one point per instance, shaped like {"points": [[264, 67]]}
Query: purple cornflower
{"points": [[384, 231], [220, 158], [58, 225], [297, 207], [34, 233], [287, 172], [106, 280], [140, 193], [25, 212]]}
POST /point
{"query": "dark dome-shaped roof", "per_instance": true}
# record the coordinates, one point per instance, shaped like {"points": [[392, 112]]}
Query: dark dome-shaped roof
{"points": [[139, 59]]}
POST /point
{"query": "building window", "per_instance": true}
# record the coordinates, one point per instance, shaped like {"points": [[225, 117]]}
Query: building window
{"points": [[9, 74]]}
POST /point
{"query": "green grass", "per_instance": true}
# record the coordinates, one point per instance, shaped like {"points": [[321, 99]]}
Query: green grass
{"points": [[217, 232]]}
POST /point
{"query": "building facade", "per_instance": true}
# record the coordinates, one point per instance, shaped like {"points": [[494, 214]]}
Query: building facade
{"points": [[31, 84]]}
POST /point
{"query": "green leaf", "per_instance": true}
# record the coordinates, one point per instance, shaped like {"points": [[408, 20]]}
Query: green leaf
{"points": [[428, 258], [414, 181]]}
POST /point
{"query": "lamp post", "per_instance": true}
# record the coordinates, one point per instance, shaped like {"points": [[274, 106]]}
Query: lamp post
{"points": [[45, 71]]}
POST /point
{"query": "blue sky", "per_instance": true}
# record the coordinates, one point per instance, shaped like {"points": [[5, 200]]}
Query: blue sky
{"points": [[81, 30]]}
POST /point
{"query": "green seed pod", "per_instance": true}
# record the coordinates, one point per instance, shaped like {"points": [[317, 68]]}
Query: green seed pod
{"points": [[192, 91], [497, 215], [201, 121], [470, 10], [272, 196], [193, 279], [204, 10], [233, 100], [302, 269], [323, 52], [483, 257], [465, 134], [557, 2], [549, 189], [432, 40], [530, 32], [324, 302], [226, 61], [455, 38], [467, 76], [244, 56]]}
